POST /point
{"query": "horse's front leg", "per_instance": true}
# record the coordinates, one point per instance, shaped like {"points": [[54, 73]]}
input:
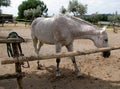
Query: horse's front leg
{"points": [[58, 49], [76, 67], [70, 49]]}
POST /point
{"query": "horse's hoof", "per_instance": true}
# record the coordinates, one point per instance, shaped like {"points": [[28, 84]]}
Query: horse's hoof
{"points": [[57, 75], [79, 75]]}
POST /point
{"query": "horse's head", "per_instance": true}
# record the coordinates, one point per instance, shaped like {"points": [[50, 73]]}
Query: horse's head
{"points": [[101, 40]]}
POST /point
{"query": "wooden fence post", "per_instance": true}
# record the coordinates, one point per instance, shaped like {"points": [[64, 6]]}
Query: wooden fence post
{"points": [[17, 66]]}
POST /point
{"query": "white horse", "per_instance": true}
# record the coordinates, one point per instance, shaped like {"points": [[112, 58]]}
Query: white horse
{"points": [[61, 30]]}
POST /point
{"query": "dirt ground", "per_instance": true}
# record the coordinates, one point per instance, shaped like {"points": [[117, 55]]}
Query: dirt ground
{"points": [[99, 72]]}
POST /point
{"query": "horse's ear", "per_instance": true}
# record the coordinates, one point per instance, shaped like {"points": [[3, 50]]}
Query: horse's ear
{"points": [[103, 29]]}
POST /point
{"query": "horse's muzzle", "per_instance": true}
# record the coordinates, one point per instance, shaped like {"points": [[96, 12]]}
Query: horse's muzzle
{"points": [[106, 54]]}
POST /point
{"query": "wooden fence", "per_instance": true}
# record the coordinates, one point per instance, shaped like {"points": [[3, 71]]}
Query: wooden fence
{"points": [[18, 59]]}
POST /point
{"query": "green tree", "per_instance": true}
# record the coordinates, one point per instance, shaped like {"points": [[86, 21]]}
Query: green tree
{"points": [[82, 9], [115, 18], [4, 3], [63, 10], [31, 4], [28, 13], [77, 8], [32, 13], [95, 18], [115, 21]]}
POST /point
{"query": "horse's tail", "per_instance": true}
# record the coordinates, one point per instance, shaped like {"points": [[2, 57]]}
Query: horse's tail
{"points": [[33, 24], [35, 21], [33, 28]]}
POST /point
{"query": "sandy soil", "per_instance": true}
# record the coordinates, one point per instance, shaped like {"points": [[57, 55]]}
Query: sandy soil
{"points": [[99, 73]]}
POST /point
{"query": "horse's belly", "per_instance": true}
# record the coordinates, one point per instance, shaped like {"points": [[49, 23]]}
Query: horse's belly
{"points": [[48, 42], [47, 39]]}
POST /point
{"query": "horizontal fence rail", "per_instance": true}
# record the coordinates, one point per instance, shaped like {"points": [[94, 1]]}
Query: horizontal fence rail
{"points": [[57, 55], [10, 40]]}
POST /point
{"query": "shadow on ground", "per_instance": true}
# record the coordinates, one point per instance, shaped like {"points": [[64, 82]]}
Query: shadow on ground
{"points": [[68, 80]]}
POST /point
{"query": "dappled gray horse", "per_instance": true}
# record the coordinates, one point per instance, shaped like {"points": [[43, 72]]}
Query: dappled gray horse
{"points": [[61, 30]]}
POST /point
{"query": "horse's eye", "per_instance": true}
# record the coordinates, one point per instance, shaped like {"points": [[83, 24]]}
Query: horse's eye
{"points": [[106, 40]]}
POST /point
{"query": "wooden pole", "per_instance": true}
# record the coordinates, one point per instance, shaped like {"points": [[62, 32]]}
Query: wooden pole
{"points": [[10, 40], [59, 55], [17, 65]]}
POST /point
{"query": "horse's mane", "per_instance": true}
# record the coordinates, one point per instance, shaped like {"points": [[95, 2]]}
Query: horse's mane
{"points": [[73, 18], [76, 19], [81, 20]]}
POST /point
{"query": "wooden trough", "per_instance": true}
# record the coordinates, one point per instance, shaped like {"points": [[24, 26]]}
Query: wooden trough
{"points": [[18, 59]]}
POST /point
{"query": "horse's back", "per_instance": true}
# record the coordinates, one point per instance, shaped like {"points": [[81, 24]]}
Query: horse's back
{"points": [[52, 30], [42, 29]]}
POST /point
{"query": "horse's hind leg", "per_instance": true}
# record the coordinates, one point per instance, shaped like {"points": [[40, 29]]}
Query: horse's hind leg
{"points": [[38, 49], [70, 49], [58, 49], [35, 41]]}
